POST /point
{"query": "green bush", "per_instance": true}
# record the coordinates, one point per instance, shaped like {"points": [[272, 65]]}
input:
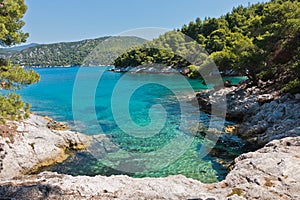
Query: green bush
{"points": [[194, 71], [12, 78], [292, 86], [13, 108]]}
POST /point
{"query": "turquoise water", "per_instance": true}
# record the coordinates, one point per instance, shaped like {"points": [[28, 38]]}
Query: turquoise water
{"points": [[84, 97]]}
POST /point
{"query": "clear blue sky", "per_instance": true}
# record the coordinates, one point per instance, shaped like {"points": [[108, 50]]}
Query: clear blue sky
{"points": [[49, 21]]}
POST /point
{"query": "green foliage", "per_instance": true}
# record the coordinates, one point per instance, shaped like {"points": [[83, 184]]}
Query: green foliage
{"points": [[171, 49], [12, 107], [292, 86], [261, 41], [13, 77], [194, 71], [11, 12]]}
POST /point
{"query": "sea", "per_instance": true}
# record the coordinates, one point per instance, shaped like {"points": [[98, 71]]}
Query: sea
{"points": [[153, 124]]}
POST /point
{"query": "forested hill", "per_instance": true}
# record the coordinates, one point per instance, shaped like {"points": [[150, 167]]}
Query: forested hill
{"points": [[67, 53], [261, 41]]}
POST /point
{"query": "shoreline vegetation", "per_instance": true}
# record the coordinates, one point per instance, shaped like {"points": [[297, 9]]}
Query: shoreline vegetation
{"points": [[260, 41]]}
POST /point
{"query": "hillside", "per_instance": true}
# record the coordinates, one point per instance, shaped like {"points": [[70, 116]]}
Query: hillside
{"points": [[260, 41], [11, 50], [68, 53]]}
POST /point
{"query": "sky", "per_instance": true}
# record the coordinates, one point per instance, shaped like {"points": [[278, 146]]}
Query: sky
{"points": [[50, 21]]}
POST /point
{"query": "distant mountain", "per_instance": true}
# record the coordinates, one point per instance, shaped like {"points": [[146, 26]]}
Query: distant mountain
{"points": [[11, 50], [107, 51], [71, 53], [22, 47]]}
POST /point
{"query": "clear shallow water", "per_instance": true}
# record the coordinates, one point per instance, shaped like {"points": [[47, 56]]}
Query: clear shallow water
{"points": [[92, 112]]}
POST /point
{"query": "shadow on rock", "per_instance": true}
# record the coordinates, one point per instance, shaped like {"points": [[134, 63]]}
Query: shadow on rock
{"points": [[34, 191]]}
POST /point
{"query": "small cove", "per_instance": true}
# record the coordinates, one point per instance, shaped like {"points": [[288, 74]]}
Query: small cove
{"points": [[52, 96]]}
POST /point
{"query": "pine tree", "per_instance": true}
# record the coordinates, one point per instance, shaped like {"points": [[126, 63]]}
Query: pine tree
{"points": [[13, 77]]}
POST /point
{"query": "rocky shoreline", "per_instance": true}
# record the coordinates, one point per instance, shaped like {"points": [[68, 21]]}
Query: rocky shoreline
{"points": [[267, 119], [262, 114], [269, 173], [32, 145]]}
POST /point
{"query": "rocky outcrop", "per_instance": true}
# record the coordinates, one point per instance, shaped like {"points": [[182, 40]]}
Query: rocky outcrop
{"points": [[272, 172], [55, 125], [262, 115], [147, 68], [269, 173], [33, 145], [274, 120]]}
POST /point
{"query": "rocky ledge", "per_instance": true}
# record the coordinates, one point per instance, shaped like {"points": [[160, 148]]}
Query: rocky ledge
{"points": [[262, 114], [148, 68], [272, 172], [27, 145]]}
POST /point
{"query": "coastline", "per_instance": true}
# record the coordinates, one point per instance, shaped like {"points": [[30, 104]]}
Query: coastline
{"points": [[146, 69], [33, 145], [270, 172], [262, 114]]}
